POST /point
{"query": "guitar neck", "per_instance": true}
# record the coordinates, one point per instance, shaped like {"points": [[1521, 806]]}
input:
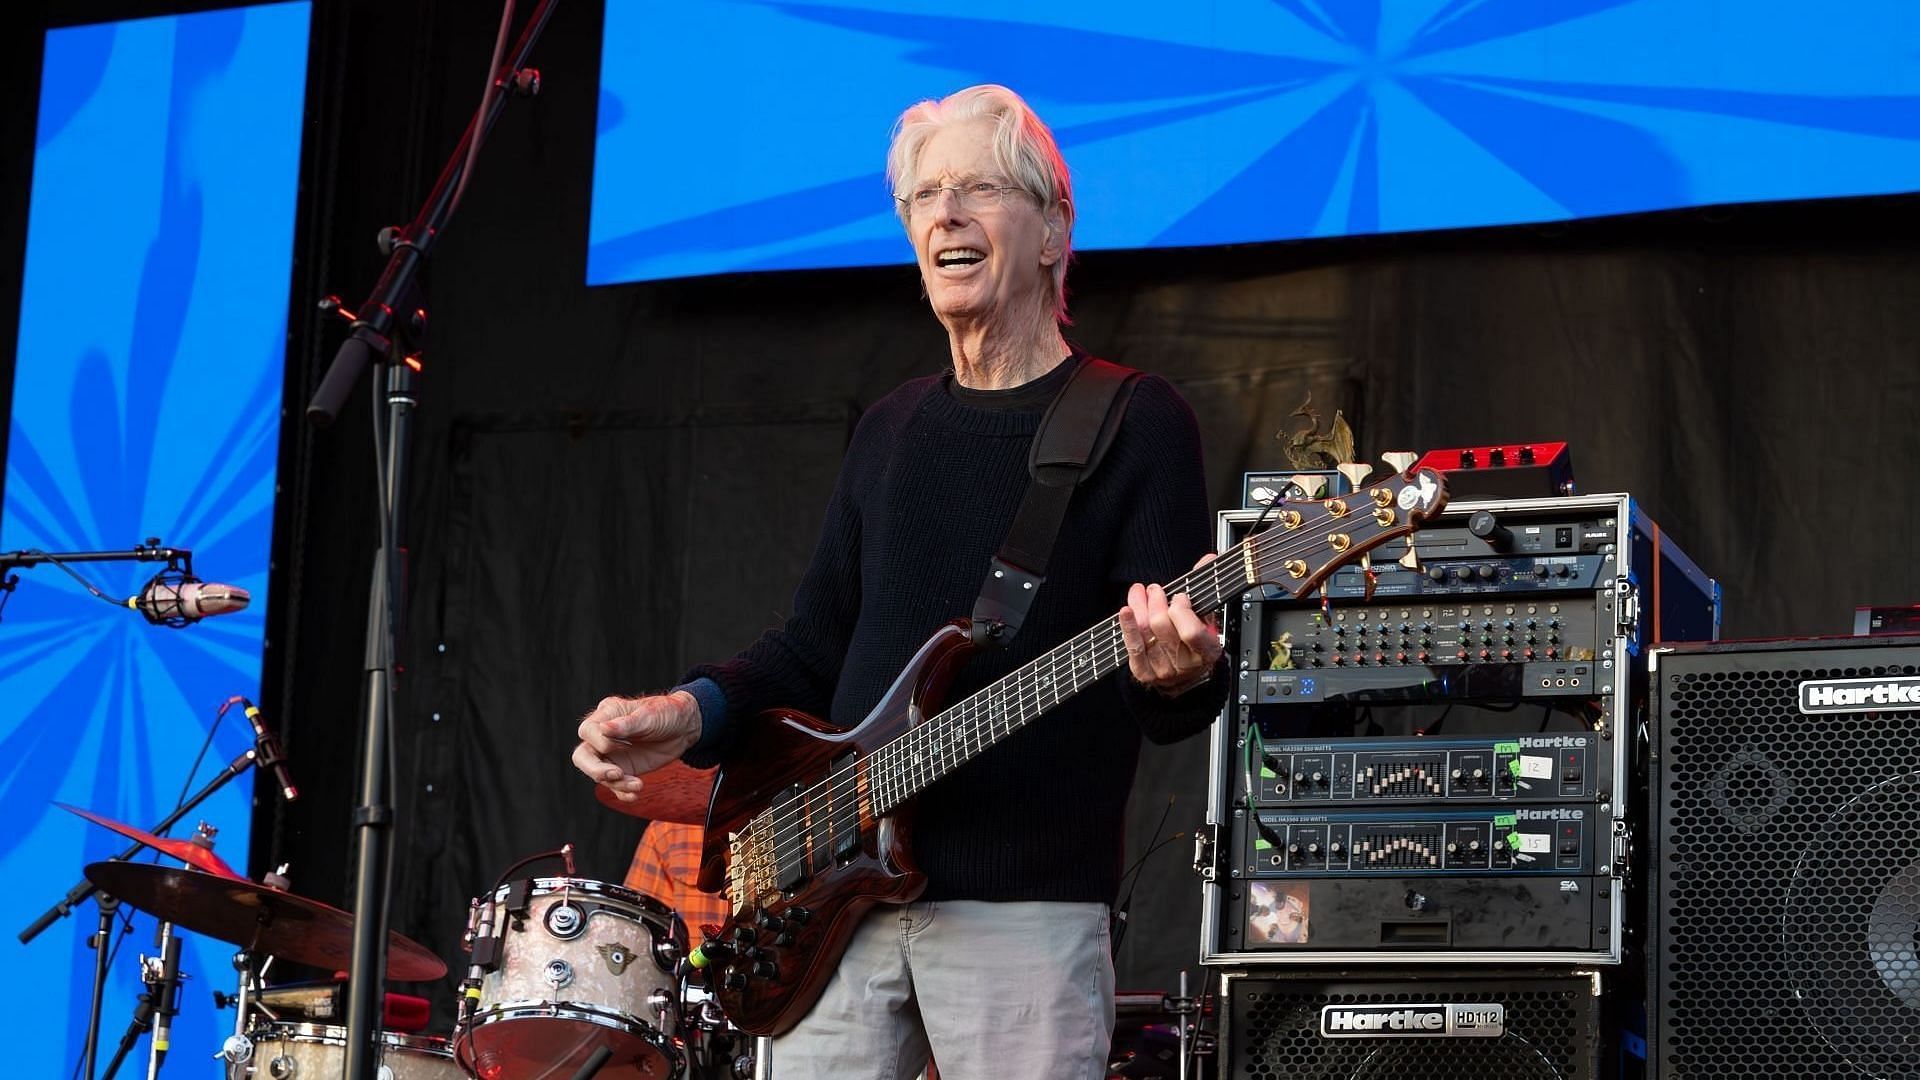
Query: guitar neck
{"points": [[903, 768], [1307, 541]]}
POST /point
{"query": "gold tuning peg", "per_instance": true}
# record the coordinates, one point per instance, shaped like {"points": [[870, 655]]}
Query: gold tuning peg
{"points": [[1355, 472], [1401, 460], [1311, 487], [1411, 560]]}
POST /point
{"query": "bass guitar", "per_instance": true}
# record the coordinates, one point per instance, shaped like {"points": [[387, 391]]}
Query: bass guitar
{"points": [[809, 825]]}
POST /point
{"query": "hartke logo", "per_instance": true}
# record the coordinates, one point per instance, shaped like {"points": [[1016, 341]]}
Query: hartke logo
{"points": [[1452, 1020], [1855, 695]]}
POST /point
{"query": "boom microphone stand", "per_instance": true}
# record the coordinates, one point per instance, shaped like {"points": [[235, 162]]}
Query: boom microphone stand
{"points": [[377, 335]]}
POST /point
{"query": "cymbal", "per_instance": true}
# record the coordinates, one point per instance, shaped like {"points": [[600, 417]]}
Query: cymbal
{"points": [[185, 850], [673, 792], [256, 917]]}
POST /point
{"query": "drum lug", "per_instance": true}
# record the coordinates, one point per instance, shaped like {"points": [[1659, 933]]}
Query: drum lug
{"points": [[559, 974], [565, 921], [283, 1067]]}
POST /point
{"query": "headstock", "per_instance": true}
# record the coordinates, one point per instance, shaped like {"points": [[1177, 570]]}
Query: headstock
{"points": [[1311, 538]]}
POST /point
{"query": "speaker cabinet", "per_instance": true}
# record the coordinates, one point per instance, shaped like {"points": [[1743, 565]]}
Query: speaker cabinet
{"points": [[1274, 1027], [1784, 891]]}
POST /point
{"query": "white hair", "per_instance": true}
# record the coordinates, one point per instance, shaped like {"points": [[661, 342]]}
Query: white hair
{"points": [[1023, 149]]}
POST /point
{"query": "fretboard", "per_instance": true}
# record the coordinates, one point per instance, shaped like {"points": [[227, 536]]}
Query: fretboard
{"points": [[903, 768]]}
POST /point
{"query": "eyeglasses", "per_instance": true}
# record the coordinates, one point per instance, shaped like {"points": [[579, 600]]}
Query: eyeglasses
{"points": [[972, 195]]}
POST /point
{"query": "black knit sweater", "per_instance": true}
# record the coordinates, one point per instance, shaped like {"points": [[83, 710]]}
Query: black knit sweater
{"points": [[925, 497]]}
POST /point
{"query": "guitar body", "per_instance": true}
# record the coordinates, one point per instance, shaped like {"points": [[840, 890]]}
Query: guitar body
{"points": [[786, 943]]}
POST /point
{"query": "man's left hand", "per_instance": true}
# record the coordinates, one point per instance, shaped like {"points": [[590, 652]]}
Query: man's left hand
{"points": [[1170, 648]]}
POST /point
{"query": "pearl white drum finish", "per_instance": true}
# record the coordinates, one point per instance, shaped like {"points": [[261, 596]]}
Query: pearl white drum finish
{"points": [[589, 965], [284, 1051]]}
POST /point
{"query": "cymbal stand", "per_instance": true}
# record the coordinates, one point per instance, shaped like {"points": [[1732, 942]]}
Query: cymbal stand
{"points": [[101, 939], [108, 905], [238, 1047], [1187, 1012]]}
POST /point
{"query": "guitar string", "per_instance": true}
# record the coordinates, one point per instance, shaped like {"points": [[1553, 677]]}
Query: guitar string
{"points": [[840, 784], [1023, 695], [1018, 684]]}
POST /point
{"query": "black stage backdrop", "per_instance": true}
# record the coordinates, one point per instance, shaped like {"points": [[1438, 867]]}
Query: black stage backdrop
{"points": [[610, 484]]}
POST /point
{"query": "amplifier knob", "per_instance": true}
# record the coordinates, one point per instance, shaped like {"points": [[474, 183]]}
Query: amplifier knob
{"points": [[1437, 572], [1527, 653], [1486, 572]]}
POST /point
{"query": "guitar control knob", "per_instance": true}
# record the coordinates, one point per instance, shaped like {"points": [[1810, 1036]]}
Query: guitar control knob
{"points": [[744, 935], [736, 980], [767, 920], [765, 969], [798, 915]]}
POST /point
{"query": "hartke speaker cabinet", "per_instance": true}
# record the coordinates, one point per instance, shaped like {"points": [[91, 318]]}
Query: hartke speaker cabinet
{"points": [[1273, 1026], [1784, 868]]}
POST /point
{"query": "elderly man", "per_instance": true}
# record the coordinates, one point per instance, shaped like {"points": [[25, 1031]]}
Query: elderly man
{"points": [[1002, 968]]}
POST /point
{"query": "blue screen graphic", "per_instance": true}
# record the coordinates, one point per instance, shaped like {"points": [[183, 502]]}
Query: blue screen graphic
{"points": [[738, 135], [146, 403]]}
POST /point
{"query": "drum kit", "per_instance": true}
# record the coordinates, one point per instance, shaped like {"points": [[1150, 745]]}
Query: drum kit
{"points": [[569, 977]]}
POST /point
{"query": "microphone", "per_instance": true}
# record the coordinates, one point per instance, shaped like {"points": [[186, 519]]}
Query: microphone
{"points": [[175, 600], [166, 987], [267, 746]]}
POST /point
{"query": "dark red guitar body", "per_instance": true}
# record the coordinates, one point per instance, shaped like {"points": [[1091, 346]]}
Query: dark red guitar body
{"points": [[768, 993]]}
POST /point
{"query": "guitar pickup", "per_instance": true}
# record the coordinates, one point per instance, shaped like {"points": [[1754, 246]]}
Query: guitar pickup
{"points": [[844, 782]]}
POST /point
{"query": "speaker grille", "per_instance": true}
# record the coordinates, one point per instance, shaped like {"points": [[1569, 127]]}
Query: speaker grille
{"points": [[1275, 1030], [1787, 886]]}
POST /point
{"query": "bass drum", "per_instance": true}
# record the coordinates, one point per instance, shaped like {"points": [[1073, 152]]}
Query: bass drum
{"points": [[283, 1051]]}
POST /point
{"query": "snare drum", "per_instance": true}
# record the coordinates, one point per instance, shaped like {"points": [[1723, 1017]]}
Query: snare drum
{"points": [[283, 1051], [587, 965]]}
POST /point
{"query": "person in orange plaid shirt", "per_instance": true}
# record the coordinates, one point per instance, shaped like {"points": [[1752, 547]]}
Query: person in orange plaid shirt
{"points": [[665, 867]]}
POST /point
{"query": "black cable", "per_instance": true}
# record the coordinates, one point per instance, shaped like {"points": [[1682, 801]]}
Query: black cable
{"points": [[72, 573], [1126, 903]]}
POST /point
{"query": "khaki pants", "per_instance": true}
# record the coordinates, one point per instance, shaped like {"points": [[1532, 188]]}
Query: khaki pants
{"points": [[1014, 991]]}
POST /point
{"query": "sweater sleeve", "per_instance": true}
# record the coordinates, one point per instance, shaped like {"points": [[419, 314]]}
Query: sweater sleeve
{"points": [[796, 665], [1156, 463]]}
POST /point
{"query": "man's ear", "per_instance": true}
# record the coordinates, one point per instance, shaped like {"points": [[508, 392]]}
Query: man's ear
{"points": [[1059, 218]]}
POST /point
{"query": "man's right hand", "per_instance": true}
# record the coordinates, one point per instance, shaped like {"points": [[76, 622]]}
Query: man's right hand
{"points": [[623, 739]]}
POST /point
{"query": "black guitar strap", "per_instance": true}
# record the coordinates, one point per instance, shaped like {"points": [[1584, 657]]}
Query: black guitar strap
{"points": [[1073, 437]]}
